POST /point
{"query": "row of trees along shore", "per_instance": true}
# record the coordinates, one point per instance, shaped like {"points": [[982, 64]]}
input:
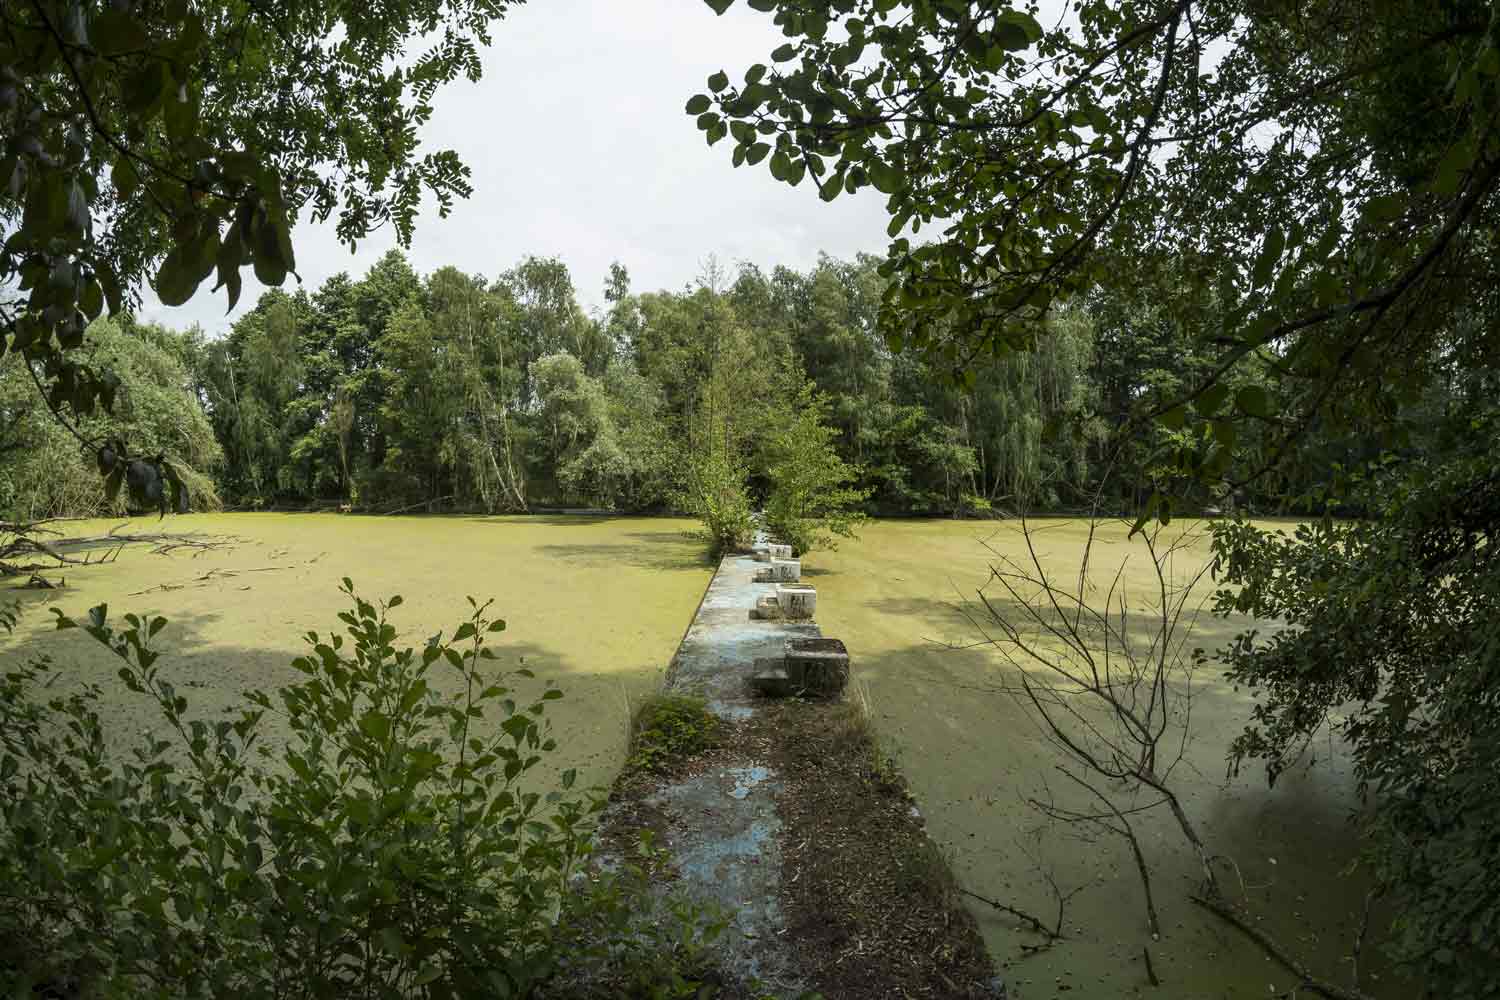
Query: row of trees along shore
{"points": [[454, 391]]}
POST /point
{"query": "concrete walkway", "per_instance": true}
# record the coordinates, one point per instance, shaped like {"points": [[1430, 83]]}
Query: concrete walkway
{"points": [[723, 835]]}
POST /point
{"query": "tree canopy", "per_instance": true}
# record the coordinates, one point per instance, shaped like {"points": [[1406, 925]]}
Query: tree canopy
{"points": [[167, 142], [1312, 184]]}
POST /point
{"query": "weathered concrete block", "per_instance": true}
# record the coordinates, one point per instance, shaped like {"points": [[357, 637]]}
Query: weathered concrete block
{"points": [[819, 666], [767, 608], [770, 678], [779, 551], [781, 571], [796, 600]]}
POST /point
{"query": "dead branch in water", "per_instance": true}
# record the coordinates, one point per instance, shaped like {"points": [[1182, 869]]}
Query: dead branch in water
{"points": [[1050, 933], [1227, 911], [51, 550], [213, 576], [1113, 696], [413, 506]]}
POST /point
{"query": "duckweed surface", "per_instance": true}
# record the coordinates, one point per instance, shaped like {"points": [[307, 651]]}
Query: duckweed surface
{"points": [[596, 603], [898, 597]]}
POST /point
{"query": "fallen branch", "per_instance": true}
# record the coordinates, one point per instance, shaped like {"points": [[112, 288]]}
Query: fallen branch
{"points": [[1232, 914], [209, 577], [414, 506], [1051, 934]]}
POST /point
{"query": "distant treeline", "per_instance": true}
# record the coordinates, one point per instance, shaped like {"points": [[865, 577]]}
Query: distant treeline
{"points": [[458, 392]]}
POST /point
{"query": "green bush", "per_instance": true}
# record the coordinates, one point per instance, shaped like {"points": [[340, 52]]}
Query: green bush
{"points": [[390, 848], [717, 496], [669, 728]]}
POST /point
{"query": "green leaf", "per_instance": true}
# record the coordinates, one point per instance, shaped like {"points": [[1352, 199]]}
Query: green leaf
{"points": [[1451, 168], [719, 6], [697, 104], [375, 725], [1252, 399], [784, 52], [391, 940], [91, 300], [1210, 399], [174, 283], [719, 81], [1270, 254], [1019, 19], [757, 152], [117, 31], [145, 89], [125, 178]]}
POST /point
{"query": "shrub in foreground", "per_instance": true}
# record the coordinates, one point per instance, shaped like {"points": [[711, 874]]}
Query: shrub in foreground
{"points": [[390, 848]]}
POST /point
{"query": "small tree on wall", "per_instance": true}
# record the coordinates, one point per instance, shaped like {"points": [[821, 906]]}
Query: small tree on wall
{"points": [[716, 495], [811, 502]]}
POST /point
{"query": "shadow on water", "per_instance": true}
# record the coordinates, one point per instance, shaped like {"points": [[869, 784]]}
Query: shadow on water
{"points": [[554, 520], [974, 756], [606, 554], [688, 537], [214, 675], [924, 608]]}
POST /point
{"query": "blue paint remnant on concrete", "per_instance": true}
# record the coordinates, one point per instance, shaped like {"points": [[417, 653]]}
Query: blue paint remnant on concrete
{"points": [[734, 713], [746, 778]]}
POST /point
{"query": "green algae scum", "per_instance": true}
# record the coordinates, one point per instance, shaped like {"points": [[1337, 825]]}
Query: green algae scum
{"points": [[600, 604], [596, 604]]}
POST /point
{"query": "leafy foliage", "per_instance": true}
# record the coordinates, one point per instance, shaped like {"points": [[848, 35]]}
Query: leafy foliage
{"points": [[1280, 218], [669, 728], [717, 495], [1390, 640], [46, 472], [167, 142], [391, 846], [1146, 146], [810, 500]]}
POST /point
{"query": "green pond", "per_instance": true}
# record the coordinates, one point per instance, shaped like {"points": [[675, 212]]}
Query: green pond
{"points": [[599, 604], [903, 596]]}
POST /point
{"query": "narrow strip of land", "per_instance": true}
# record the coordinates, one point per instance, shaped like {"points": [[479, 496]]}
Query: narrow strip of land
{"points": [[794, 825]]}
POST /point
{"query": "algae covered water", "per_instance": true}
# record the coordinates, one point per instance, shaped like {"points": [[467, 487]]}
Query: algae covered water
{"points": [[900, 598], [596, 603], [600, 603]]}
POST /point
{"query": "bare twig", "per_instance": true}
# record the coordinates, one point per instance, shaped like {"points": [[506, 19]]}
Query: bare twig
{"points": [[1050, 933]]}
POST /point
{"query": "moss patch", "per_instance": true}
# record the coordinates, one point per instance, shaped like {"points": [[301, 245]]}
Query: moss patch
{"points": [[668, 729]]}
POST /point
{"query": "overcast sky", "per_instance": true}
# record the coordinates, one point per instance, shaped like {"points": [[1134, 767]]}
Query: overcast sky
{"points": [[580, 149]]}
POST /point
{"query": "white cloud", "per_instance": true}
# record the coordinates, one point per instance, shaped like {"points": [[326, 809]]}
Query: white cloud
{"points": [[580, 148]]}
